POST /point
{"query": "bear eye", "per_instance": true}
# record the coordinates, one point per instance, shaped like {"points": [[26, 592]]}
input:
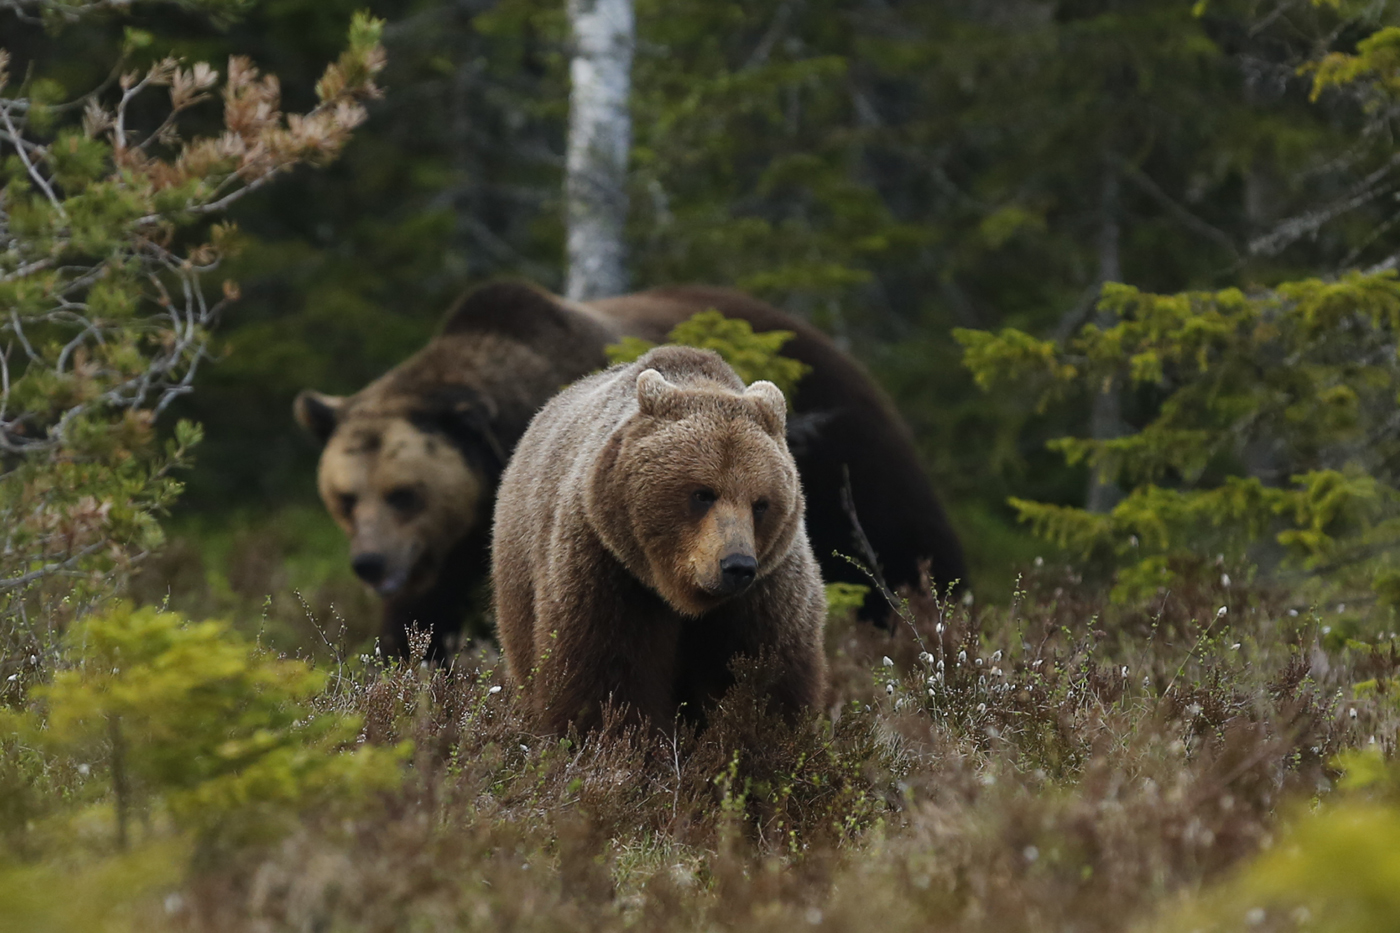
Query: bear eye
{"points": [[404, 499], [760, 508], [702, 499], [347, 503]]}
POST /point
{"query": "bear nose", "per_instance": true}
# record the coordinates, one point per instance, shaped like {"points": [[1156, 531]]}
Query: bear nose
{"points": [[369, 567], [736, 572]]}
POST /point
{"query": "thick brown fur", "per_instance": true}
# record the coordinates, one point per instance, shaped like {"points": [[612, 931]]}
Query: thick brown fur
{"points": [[845, 434], [411, 461], [626, 498], [503, 352]]}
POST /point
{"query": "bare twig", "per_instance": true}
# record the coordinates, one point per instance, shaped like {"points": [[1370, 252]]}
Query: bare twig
{"points": [[50, 569], [29, 167]]}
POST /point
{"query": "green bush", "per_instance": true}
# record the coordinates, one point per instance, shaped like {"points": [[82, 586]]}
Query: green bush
{"points": [[1270, 424], [1335, 869], [753, 355], [123, 893], [191, 722], [107, 220]]}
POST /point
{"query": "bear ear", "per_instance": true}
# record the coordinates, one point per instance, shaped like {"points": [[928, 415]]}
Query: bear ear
{"points": [[654, 393], [318, 413], [772, 406]]}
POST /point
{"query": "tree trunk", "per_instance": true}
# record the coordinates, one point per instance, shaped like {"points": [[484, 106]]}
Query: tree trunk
{"points": [[600, 136], [1106, 419]]}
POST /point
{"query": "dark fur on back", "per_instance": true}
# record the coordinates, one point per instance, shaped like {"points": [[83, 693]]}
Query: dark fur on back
{"points": [[516, 310], [844, 426]]}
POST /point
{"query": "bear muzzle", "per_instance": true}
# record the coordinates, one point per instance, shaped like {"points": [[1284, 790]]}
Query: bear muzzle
{"points": [[380, 574], [369, 567], [736, 573]]}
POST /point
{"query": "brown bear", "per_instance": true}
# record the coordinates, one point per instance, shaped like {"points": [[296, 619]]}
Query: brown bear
{"points": [[855, 454], [648, 530], [412, 460]]}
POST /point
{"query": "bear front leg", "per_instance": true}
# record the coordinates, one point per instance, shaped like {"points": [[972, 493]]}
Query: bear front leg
{"points": [[786, 622], [602, 640], [801, 681]]}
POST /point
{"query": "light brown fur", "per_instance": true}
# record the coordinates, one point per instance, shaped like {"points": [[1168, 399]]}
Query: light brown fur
{"points": [[623, 496], [397, 490], [411, 460]]}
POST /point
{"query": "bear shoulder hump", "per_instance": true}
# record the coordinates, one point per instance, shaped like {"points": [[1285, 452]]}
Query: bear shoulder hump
{"points": [[514, 309]]}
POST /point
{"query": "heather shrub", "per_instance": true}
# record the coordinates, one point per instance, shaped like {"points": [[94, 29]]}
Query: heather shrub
{"points": [[1076, 763], [1070, 761], [1331, 867]]}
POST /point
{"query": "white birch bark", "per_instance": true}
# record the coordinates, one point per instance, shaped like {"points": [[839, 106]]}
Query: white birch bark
{"points": [[600, 137]]}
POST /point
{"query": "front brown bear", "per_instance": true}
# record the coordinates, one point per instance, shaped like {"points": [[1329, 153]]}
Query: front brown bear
{"points": [[648, 530]]}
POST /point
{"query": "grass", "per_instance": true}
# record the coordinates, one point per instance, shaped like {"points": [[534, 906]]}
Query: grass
{"points": [[1055, 762]]}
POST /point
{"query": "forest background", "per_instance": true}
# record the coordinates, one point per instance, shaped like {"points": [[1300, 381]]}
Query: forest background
{"points": [[888, 170], [1185, 719]]}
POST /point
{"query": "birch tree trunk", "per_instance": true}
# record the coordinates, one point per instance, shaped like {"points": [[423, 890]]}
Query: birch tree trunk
{"points": [[600, 137], [1106, 419]]}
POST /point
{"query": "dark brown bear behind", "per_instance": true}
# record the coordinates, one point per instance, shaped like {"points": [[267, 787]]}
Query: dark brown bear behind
{"points": [[845, 435], [648, 530], [411, 461]]}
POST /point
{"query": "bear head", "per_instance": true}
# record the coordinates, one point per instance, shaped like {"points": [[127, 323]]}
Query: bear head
{"points": [[411, 461], [697, 493], [406, 479]]}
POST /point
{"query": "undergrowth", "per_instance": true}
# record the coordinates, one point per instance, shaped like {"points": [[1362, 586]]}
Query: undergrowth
{"points": [[285, 576], [1057, 763]]}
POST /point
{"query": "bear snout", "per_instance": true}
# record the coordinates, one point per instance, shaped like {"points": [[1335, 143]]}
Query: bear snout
{"points": [[369, 567], [736, 573]]}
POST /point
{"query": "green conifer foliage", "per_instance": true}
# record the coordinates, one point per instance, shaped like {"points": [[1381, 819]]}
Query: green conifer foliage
{"points": [[754, 355], [108, 233], [1273, 423], [1265, 434], [191, 722]]}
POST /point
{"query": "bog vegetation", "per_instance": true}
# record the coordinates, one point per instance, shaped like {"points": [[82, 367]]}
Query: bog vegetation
{"points": [[1178, 711]]}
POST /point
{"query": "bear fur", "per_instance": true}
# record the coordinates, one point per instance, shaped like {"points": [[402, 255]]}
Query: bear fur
{"points": [[648, 530], [410, 462], [452, 414], [854, 452]]}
